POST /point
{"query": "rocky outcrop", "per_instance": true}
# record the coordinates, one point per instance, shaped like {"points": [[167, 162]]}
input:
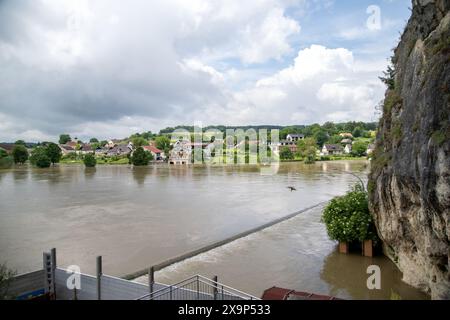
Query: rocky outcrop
{"points": [[409, 183]]}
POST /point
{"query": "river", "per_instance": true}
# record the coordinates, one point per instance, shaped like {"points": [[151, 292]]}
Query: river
{"points": [[136, 217]]}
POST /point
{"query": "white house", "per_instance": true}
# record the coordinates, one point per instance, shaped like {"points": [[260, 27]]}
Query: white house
{"points": [[332, 149], [348, 149], [295, 137], [181, 152]]}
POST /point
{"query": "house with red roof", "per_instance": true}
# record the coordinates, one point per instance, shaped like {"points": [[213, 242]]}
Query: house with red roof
{"points": [[157, 154]]}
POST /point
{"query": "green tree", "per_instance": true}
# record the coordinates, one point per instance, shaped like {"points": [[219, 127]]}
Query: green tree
{"points": [[307, 150], [89, 160], [3, 153], [335, 139], [64, 138], [20, 154], [321, 137], [20, 142], [286, 154], [163, 143], [6, 161], [357, 132], [139, 141], [53, 152], [359, 148], [141, 157], [389, 76], [93, 140], [40, 158]]}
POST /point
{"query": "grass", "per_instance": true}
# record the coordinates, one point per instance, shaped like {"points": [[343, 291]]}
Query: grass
{"points": [[392, 100], [100, 161], [439, 137]]}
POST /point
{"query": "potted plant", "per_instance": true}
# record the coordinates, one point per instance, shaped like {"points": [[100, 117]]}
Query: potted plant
{"points": [[348, 220]]}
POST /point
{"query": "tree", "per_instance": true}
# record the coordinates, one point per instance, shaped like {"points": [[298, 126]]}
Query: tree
{"points": [[139, 141], [336, 139], [163, 143], [389, 76], [93, 140], [53, 152], [3, 153], [64, 138], [307, 150], [40, 158], [20, 154], [286, 154], [357, 132], [141, 157], [321, 137], [20, 142], [89, 160], [359, 148], [6, 161]]}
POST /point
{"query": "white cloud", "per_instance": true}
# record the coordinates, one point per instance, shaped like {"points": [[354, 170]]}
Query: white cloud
{"points": [[105, 69], [321, 85]]}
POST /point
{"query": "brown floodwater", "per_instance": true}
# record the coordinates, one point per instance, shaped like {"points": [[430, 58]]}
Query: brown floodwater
{"points": [[137, 217]]}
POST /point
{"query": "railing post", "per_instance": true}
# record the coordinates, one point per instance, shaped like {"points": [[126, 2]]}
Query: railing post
{"points": [[215, 287], [53, 263], [198, 289], [99, 278], [170, 294], [151, 280]]}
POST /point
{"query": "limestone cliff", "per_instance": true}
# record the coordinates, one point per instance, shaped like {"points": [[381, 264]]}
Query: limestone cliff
{"points": [[409, 182]]}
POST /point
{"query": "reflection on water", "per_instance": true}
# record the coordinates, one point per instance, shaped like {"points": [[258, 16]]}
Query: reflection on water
{"points": [[136, 217]]}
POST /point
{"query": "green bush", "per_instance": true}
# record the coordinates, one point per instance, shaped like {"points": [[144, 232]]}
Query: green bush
{"points": [[20, 154], [6, 161], [348, 219], [141, 157], [89, 160], [286, 154], [40, 158]]}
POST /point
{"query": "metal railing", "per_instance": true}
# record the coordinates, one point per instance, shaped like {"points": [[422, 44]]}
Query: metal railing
{"points": [[198, 288]]}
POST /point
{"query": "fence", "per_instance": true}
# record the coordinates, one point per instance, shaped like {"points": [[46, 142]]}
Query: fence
{"points": [[198, 288]]}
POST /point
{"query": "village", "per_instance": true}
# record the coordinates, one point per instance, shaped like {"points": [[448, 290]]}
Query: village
{"points": [[293, 146]]}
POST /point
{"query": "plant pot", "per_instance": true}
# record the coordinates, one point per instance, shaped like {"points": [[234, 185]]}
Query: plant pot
{"points": [[343, 247], [368, 248]]}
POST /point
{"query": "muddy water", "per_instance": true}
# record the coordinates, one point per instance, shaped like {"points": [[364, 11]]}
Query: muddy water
{"points": [[136, 217], [295, 254]]}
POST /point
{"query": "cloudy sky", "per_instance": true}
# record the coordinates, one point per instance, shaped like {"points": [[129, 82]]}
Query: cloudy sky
{"points": [[109, 68]]}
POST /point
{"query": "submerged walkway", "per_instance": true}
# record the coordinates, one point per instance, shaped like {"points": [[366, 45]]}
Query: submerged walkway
{"points": [[220, 243]]}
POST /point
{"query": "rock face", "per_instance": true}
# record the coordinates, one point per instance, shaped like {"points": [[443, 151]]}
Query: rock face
{"points": [[409, 183]]}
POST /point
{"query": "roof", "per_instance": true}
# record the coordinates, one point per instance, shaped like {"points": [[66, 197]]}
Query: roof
{"points": [[276, 293], [296, 135], [86, 147], [152, 149], [7, 146], [67, 147], [333, 147]]}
